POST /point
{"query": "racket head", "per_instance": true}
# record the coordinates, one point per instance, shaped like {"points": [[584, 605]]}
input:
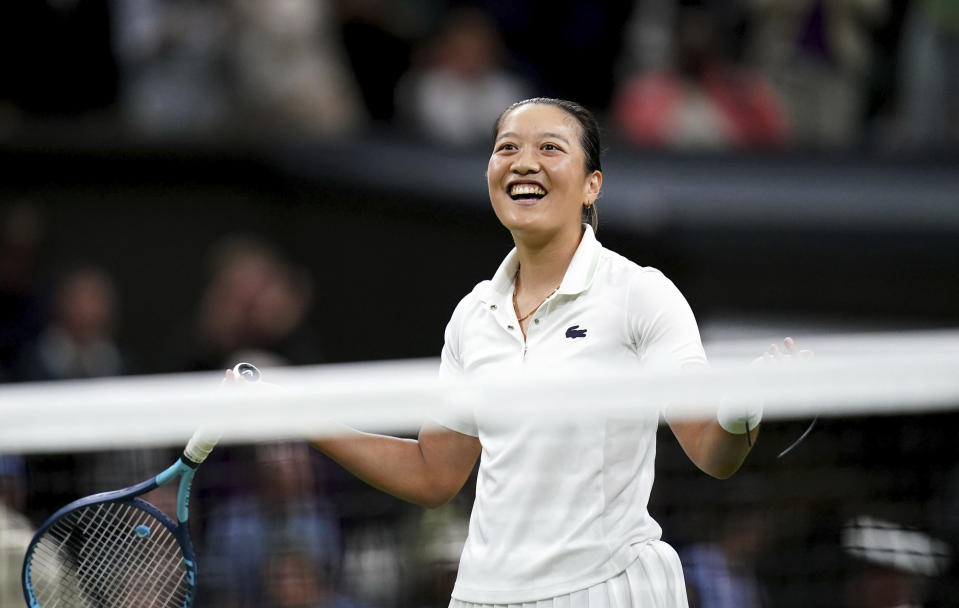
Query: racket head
{"points": [[113, 551]]}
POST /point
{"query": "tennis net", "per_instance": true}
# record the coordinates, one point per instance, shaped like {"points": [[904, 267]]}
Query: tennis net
{"points": [[861, 512]]}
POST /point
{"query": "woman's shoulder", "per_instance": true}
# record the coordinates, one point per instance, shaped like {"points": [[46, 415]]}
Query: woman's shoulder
{"points": [[646, 284], [619, 267], [466, 311], [473, 298]]}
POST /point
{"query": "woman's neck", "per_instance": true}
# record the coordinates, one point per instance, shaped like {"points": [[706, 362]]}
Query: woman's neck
{"points": [[543, 265]]}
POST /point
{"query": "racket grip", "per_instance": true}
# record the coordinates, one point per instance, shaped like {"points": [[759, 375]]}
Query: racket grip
{"points": [[204, 440], [200, 445]]}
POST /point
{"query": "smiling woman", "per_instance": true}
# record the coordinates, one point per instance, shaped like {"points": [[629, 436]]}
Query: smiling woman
{"points": [[588, 140], [541, 185], [560, 513]]}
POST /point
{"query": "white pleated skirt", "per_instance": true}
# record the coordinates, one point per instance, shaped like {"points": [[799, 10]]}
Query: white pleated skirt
{"points": [[653, 580]]}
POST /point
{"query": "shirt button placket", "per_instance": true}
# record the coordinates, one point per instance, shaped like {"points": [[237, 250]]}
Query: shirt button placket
{"points": [[509, 326]]}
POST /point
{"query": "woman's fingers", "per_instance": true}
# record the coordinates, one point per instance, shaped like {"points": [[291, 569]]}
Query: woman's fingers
{"points": [[791, 347], [776, 354], [789, 350]]}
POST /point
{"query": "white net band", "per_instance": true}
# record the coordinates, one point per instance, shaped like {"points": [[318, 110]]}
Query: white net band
{"points": [[850, 375]]}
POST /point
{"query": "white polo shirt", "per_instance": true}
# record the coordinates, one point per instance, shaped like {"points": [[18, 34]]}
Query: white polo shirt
{"points": [[560, 502]]}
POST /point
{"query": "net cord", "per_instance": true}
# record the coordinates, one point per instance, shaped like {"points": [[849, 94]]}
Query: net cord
{"points": [[850, 375]]}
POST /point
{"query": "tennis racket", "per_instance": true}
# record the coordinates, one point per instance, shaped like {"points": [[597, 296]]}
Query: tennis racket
{"points": [[114, 550]]}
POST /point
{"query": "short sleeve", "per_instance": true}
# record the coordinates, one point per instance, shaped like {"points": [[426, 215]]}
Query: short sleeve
{"points": [[661, 323], [455, 417]]}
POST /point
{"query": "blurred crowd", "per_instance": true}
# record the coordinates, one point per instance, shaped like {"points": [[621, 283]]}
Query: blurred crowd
{"points": [[274, 523], [877, 75]]}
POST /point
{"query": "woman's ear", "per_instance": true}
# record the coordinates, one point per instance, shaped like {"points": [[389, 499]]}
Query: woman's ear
{"points": [[594, 184]]}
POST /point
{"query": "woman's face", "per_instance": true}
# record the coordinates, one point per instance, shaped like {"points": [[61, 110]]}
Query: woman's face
{"points": [[537, 173]]}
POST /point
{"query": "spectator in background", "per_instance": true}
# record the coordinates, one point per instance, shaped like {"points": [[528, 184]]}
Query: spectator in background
{"points": [[79, 340], [253, 308], [442, 534], [929, 73], [251, 532], [816, 54], [378, 36], [292, 579], [15, 530], [648, 37], [892, 564], [21, 306], [702, 100], [722, 573], [459, 84], [172, 58], [15, 535], [290, 68]]}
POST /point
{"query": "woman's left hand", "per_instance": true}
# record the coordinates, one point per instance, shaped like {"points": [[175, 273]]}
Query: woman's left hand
{"points": [[788, 353]]}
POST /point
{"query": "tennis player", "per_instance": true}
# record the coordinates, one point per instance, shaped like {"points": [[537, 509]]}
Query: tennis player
{"points": [[560, 516]]}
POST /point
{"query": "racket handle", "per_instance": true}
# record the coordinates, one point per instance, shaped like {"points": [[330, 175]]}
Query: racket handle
{"points": [[200, 445], [204, 440]]}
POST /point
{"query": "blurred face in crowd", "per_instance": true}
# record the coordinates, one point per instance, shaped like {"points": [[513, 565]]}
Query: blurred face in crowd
{"points": [[537, 175], [87, 304], [469, 46], [293, 581]]}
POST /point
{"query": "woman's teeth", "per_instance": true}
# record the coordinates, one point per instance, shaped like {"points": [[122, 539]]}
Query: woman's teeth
{"points": [[526, 191]]}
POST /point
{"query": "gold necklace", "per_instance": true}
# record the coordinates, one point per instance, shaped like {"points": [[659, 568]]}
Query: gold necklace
{"points": [[516, 307]]}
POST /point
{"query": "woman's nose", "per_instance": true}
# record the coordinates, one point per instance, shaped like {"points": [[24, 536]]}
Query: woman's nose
{"points": [[524, 163]]}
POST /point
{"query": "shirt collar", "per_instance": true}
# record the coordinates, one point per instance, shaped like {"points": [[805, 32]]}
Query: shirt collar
{"points": [[579, 273], [582, 268]]}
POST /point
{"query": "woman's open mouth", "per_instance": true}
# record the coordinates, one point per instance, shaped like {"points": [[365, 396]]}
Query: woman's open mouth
{"points": [[526, 192]]}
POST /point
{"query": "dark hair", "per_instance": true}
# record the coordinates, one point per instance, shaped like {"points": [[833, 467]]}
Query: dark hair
{"points": [[589, 139]]}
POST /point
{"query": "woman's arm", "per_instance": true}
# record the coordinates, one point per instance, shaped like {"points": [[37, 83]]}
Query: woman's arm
{"points": [[716, 451], [713, 449], [428, 471]]}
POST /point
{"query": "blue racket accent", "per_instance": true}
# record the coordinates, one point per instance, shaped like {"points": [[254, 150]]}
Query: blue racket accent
{"points": [[176, 469], [183, 496], [190, 571], [185, 471]]}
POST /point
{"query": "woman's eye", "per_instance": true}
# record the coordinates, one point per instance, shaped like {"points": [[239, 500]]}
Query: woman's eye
{"points": [[507, 147], [549, 147]]}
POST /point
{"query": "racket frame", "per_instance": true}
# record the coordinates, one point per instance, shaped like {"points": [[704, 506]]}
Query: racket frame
{"points": [[183, 469]]}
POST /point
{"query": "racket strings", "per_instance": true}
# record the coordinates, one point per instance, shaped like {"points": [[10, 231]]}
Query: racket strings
{"points": [[88, 568], [138, 586], [93, 558], [115, 586], [99, 564]]}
